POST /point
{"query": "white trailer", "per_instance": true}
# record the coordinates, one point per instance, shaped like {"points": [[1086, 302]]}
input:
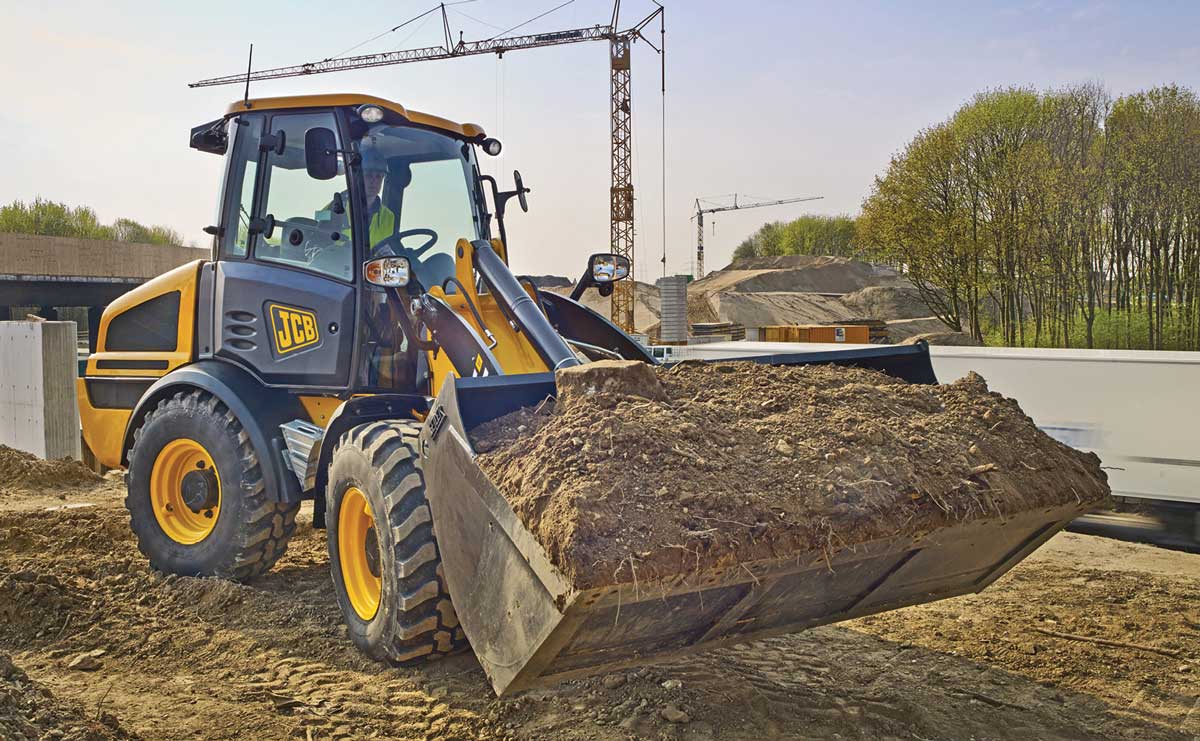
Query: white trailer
{"points": [[1138, 410]]}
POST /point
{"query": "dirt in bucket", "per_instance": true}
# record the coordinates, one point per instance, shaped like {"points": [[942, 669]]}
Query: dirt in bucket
{"points": [[24, 471], [636, 473]]}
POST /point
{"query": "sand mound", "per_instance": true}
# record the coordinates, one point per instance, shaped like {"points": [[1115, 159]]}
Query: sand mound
{"points": [[645, 304], [29, 711], [21, 470], [887, 302], [733, 462]]}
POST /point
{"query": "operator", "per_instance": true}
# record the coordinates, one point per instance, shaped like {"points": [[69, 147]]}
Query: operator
{"points": [[380, 218], [388, 357]]}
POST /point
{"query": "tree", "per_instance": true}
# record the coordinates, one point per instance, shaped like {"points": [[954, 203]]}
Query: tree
{"points": [[1035, 218], [807, 235]]}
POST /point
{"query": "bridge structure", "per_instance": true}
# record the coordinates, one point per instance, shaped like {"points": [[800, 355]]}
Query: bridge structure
{"points": [[43, 275]]}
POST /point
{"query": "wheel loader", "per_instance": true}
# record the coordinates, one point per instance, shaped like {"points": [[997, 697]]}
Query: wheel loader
{"points": [[357, 320]]}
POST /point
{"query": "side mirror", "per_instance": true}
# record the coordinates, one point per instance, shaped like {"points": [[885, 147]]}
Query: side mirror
{"points": [[521, 191], [608, 268], [320, 154], [388, 272], [604, 269]]}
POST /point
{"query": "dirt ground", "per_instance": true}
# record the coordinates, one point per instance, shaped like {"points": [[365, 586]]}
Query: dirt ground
{"points": [[161, 657], [635, 473]]}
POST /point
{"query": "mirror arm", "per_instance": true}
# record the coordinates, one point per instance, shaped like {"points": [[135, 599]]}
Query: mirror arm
{"points": [[264, 225], [585, 282], [499, 200]]}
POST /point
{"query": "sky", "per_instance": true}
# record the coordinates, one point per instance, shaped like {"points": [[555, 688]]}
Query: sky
{"points": [[769, 98]]}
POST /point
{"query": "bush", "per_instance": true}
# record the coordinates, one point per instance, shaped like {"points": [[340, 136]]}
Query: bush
{"points": [[52, 219], [1122, 329]]}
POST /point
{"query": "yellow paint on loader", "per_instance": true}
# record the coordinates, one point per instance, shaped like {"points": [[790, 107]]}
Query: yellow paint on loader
{"points": [[513, 351]]}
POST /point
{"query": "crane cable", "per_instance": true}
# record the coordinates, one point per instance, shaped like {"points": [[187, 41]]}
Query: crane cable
{"points": [[531, 20], [397, 28], [482, 23], [662, 30]]}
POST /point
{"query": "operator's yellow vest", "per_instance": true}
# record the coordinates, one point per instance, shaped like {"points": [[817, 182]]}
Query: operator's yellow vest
{"points": [[383, 225]]}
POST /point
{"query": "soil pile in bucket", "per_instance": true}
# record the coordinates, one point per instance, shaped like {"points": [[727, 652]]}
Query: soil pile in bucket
{"points": [[21, 470], [30, 711], [638, 472]]}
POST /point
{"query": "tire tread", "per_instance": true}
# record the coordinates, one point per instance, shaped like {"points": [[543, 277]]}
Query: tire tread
{"points": [[423, 626]]}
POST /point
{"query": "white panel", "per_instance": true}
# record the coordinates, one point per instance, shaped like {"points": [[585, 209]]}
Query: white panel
{"points": [[1139, 410]]}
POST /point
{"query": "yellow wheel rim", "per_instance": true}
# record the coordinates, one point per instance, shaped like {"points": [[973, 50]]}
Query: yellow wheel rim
{"points": [[184, 523], [358, 552]]}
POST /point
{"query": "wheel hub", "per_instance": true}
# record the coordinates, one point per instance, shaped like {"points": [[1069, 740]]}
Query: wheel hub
{"points": [[185, 491], [358, 552], [199, 489], [371, 546]]}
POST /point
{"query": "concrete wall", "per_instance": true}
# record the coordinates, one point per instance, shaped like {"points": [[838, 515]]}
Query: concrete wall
{"points": [[32, 255], [673, 314], [38, 411]]}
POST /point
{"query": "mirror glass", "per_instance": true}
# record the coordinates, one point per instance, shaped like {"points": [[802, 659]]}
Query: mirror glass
{"points": [[320, 153], [609, 268], [520, 190]]}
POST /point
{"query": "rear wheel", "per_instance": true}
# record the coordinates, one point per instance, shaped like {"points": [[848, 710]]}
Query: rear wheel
{"points": [[196, 499], [385, 560]]}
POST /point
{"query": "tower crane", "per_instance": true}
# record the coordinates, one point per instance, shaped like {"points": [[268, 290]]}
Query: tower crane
{"points": [[620, 42], [701, 210]]}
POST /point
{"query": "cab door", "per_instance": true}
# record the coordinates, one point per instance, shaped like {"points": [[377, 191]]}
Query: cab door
{"points": [[284, 289]]}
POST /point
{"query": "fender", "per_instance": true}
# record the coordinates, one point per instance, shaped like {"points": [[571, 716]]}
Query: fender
{"points": [[260, 410], [353, 412]]}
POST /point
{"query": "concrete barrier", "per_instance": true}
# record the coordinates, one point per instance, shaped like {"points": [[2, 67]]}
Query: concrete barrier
{"points": [[38, 411], [30, 257]]}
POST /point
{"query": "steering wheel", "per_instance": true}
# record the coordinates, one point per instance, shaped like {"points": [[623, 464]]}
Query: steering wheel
{"points": [[396, 244]]}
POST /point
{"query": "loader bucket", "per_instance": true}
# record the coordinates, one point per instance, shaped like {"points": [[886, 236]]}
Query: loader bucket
{"points": [[528, 625]]}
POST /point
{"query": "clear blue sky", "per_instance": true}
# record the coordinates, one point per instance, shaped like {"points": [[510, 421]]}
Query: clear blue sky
{"points": [[773, 98]]}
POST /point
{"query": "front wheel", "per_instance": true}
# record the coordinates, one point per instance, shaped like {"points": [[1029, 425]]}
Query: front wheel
{"points": [[386, 565]]}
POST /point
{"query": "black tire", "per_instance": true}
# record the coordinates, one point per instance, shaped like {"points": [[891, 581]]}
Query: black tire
{"points": [[251, 531], [415, 620]]}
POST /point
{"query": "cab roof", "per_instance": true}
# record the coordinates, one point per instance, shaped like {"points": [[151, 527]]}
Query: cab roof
{"points": [[465, 130]]}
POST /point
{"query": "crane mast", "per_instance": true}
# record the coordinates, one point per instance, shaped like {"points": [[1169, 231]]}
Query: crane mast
{"points": [[700, 211], [621, 232]]}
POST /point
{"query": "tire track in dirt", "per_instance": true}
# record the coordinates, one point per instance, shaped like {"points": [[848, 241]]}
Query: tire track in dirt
{"points": [[332, 704], [206, 658]]}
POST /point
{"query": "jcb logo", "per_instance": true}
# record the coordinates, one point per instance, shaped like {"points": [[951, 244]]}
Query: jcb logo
{"points": [[292, 328]]}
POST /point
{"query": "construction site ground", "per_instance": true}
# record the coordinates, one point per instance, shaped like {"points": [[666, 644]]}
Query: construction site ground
{"points": [[1089, 638]]}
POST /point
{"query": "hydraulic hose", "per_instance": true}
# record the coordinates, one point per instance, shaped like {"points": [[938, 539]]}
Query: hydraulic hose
{"points": [[507, 291]]}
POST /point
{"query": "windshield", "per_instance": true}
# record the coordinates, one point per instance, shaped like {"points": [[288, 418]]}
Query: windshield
{"points": [[421, 192]]}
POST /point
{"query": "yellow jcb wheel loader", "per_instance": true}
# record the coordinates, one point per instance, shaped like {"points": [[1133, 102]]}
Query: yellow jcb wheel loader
{"points": [[358, 319]]}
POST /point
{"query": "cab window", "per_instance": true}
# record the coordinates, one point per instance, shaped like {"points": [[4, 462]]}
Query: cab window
{"points": [[245, 132], [307, 219]]}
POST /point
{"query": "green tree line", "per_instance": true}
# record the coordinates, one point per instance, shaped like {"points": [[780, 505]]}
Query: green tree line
{"points": [[1058, 218], [807, 235], [52, 219]]}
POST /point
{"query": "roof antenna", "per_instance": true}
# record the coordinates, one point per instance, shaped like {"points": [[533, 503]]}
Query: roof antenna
{"points": [[249, 64]]}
